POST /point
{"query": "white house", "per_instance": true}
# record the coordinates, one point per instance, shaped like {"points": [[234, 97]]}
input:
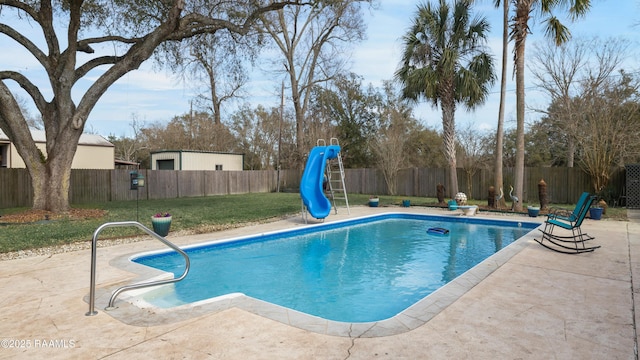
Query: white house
{"points": [[196, 160], [94, 151]]}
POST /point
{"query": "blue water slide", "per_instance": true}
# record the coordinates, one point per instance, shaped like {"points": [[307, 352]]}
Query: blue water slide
{"points": [[312, 178]]}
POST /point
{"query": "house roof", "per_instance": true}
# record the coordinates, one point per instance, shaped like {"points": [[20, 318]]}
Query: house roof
{"points": [[85, 139], [124, 162]]}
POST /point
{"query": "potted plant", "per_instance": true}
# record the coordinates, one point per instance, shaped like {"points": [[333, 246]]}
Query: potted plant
{"points": [[161, 223], [595, 212], [373, 201], [533, 211]]}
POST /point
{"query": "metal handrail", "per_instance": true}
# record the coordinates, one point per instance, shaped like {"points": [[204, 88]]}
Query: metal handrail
{"points": [[94, 250]]}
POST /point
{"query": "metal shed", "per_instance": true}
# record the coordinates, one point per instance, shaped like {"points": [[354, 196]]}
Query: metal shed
{"points": [[196, 160]]}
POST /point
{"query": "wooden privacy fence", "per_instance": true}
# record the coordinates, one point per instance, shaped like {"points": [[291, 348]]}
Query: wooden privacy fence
{"points": [[95, 186], [564, 185]]}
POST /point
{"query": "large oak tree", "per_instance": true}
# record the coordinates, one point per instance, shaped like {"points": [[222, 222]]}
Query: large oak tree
{"points": [[132, 30]]}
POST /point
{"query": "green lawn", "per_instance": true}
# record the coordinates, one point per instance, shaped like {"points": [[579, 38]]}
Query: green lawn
{"points": [[197, 215]]}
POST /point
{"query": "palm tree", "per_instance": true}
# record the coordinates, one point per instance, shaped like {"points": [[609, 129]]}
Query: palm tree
{"points": [[500, 202], [519, 31], [444, 61]]}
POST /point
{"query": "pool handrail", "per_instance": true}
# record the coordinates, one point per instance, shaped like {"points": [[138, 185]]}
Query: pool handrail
{"points": [[94, 250]]}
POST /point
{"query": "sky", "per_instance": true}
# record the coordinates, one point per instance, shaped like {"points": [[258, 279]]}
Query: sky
{"points": [[156, 96]]}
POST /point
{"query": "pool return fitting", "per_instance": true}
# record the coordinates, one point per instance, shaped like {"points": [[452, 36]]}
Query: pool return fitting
{"points": [[94, 250]]}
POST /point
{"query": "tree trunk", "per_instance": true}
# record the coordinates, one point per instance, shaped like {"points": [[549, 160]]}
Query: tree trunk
{"points": [[215, 100], [519, 166], [449, 143], [299, 114], [571, 150], [300, 144], [500, 203], [51, 185], [521, 30], [53, 176], [64, 119]]}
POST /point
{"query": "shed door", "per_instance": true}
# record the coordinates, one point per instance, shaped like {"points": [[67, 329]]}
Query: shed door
{"points": [[165, 164]]}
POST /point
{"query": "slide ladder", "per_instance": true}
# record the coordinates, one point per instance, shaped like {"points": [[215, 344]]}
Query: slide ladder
{"points": [[335, 179]]}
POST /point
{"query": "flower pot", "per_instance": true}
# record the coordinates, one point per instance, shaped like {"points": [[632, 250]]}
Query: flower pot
{"points": [[374, 202], [533, 211], [161, 225], [453, 205], [595, 213], [406, 203]]}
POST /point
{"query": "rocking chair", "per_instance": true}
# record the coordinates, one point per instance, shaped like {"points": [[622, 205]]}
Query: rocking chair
{"points": [[570, 222]]}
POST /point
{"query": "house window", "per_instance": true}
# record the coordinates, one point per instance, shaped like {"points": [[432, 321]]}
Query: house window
{"points": [[218, 166]]}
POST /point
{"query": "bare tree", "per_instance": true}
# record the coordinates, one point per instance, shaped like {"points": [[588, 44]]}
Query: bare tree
{"points": [[215, 65], [562, 71], [474, 155], [321, 122], [313, 42], [390, 142], [192, 131], [122, 35], [353, 111], [259, 132], [126, 148], [609, 114]]}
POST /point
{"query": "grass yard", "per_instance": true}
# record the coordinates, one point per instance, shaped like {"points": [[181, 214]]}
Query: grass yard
{"points": [[192, 215], [197, 215]]}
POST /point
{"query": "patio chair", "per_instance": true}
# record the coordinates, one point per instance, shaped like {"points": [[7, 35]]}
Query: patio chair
{"points": [[572, 222], [564, 214]]}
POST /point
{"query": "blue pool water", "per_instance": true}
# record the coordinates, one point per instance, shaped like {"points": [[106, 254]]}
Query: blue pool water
{"points": [[358, 271]]}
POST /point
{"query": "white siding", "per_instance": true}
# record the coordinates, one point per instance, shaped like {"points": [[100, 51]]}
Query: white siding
{"points": [[193, 160], [208, 161], [86, 157], [94, 152], [94, 157]]}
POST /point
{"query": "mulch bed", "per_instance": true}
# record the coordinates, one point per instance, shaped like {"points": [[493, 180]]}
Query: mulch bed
{"points": [[30, 216]]}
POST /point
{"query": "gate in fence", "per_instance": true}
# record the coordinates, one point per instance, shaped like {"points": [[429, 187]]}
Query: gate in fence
{"points": [[633, 186]]}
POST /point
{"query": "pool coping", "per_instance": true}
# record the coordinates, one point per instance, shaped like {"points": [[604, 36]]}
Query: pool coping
{"points": [[132, 310]]}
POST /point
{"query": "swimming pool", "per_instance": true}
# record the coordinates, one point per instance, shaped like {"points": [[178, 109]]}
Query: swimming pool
{"points": [[361, 270]]}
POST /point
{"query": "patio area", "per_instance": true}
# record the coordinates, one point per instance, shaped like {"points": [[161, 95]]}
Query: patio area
{"points": [[537, 305]]}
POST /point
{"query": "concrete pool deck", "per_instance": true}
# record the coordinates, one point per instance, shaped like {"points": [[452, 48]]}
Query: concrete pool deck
{"points": [[537, 305]]}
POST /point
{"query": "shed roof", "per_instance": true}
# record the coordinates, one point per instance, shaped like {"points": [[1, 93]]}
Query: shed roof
{"points": [[195, 152]]}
